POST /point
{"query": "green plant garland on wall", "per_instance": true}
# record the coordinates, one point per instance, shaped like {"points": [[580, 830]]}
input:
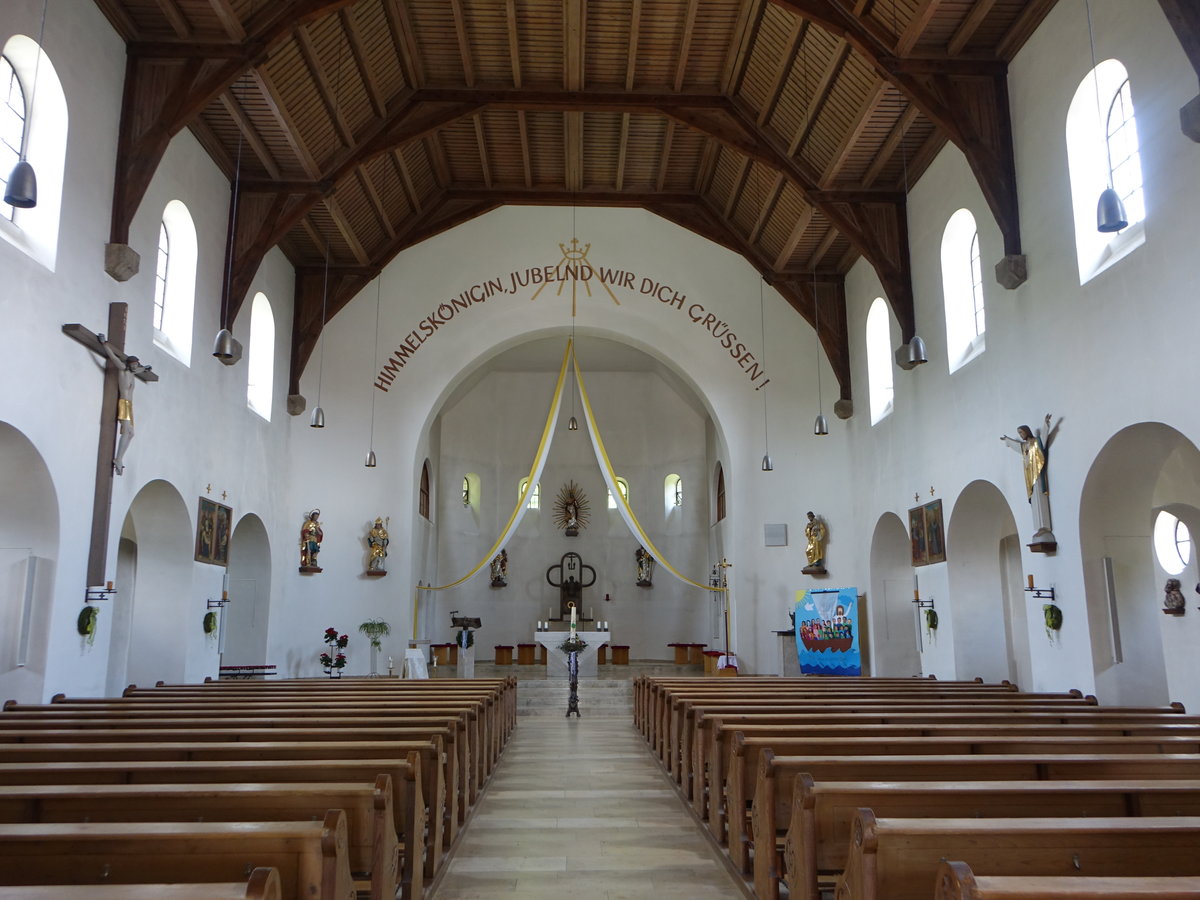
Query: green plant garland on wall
{"points": [[86, 623], [1054, 619], [210, 623]]}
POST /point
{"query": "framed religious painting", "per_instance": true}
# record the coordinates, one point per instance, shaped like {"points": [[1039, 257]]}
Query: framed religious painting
{"points": [[214, 522], [935, 536], [916, 533]]}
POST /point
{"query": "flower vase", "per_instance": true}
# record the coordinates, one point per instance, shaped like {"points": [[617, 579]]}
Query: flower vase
{"points": [[374, 673]]}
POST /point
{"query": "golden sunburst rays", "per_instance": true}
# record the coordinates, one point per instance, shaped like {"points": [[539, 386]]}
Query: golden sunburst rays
{"points": [[575, 268], [571, 507]]}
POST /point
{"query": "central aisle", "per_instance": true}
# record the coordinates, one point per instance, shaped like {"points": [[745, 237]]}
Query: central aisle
{"points": [[579, 809]]}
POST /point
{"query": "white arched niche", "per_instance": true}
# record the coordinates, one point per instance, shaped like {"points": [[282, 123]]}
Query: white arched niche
{"points": [[507, 396], [28, 554], [242, 631], [151, 612], [983, 558], [1140, 656], [894, 650]]}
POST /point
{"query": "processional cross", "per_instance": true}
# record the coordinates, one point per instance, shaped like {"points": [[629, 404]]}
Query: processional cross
{"points": [[116, 408]]}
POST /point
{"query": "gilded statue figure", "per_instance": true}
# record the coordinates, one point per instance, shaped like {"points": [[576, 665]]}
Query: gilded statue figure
{"points": [[311, 536], [377, 543], [1034, 447], [814, 550], [500, 569]]}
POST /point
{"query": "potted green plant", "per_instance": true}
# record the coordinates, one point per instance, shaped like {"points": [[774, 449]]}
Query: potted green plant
{"points": [[375, 629]]}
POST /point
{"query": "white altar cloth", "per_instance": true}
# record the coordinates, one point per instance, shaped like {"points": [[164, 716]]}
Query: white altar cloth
{"points": [[556, 660]]}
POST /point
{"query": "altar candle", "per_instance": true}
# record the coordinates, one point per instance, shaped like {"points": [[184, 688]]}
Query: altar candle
{"points": [[1031, 582], [573, 612]]}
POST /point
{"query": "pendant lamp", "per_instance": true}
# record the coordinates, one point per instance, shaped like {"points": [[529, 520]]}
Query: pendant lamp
{"points": [[1110, 211], [223, 346], [371, 461], [820, 425], [318, 414], [21, 190]]}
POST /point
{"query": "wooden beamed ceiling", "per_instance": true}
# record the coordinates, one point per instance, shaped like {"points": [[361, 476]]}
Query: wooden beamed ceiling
{"points": [[785, 130]]}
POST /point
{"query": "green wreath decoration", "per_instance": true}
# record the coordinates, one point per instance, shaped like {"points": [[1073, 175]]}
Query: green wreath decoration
{"points": [[86, 623], [210, 622], [1053, 617], [465, 639], [931, 620]]}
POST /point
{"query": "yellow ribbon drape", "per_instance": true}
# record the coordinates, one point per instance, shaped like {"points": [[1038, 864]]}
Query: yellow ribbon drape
{"points": [[535, 475], [610, 479]]}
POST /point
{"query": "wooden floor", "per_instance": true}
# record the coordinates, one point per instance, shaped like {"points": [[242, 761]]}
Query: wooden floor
{"points": [[579, 809]]}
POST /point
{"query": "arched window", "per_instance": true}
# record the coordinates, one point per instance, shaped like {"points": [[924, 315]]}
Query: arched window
{"points": [[533, 500], [1172, 543], [623, 487], [1102, 149], [260, 366], [879, 360], [175, 282], [44, 124], [12, 124], [160, 274], [466, 491], [720, 493], [423, 496], [471, 490], [962, 290], [672, 492]]}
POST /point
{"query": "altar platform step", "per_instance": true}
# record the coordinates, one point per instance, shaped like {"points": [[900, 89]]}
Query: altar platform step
{"points": [[598, 697]]}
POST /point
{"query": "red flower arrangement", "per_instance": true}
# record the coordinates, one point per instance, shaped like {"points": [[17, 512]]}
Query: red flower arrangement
{"points": [[329, 659]]}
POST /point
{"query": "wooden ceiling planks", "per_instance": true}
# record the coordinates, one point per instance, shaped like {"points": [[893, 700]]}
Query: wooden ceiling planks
{"points": [[807, 85]]}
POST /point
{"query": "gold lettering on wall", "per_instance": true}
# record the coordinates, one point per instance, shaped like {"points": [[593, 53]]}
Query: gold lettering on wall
{"points": [[572, 269]]}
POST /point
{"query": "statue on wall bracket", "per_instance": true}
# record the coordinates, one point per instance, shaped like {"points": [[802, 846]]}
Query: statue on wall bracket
{"points": [[815, 533], [500, 569], [1034, 447], [571, 509], [377, 542], [311, 536], [645, 567]]}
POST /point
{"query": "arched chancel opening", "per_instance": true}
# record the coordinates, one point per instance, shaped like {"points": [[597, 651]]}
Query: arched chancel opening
{"points": [[1140, 656], [991, 635], [894, 637], [28, 554]]}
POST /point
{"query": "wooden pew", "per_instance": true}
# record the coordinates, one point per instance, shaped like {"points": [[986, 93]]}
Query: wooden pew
{"points": [[744, 769], [897, 859], [432, 768], [311, 856], [822, 814], [775, 788], [956, 881], [678, 709], [150, 733], [373, 848], [263, 884], [470, 771], [713, 741], [408, 805], [325, 708], [679, 725], [475, 761]]}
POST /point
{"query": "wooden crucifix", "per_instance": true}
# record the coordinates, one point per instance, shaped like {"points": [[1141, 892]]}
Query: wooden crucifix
{"points": [[116, 409]]}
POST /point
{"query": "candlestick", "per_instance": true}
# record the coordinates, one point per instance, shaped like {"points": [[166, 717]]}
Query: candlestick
{"points": [[573, 613], [1031, 582]]}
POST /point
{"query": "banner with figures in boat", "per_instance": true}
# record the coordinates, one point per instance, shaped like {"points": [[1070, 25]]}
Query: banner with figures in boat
{"points": [[827, 632]]}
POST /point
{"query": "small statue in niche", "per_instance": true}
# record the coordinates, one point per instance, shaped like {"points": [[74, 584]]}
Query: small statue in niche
{"points": [[1173, 602], [645, 567], [814, 550], [500, 569], [377, 543], [311, 536]]}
